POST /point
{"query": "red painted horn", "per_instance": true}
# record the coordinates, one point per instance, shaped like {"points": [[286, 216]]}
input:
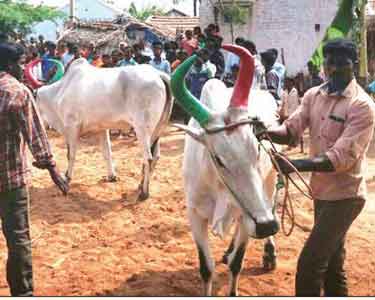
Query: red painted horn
{"points": [[241, 91]]}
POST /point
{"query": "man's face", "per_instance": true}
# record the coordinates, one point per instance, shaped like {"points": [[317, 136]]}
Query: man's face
{"points": [[115, 58], [157, 51], [16, 70], [127, 54], [339, 70], [334, 64], [204, 57], [51, 50], [107, 60], [91, 48]]}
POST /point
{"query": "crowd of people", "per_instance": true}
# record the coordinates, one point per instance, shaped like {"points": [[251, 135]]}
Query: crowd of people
{"points": [[165, 56]]}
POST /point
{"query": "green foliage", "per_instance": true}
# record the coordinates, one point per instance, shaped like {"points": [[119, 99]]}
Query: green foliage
{"points": [[357, 22], [235, 14], [145, 13], [340, 27], [17, 16]]}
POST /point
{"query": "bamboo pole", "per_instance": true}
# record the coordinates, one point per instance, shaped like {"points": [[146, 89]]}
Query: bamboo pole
{"points": [[363, 61]]}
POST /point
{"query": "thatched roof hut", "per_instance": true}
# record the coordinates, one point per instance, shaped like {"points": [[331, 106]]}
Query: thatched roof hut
{"points": [[108, 35]]}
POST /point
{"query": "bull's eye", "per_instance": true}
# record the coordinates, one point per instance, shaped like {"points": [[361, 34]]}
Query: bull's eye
{"points": [[219, 161]]}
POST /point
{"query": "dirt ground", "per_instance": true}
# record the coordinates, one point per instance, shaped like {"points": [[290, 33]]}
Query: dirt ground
{"points": [[96, 242]]}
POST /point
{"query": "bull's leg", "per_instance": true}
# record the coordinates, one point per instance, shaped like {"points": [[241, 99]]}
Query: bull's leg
{"points": [[231, 247], [72, 138], [107, 154], [143, 189], [269, 255], [235, 258], [155, 150], [199, 228]]}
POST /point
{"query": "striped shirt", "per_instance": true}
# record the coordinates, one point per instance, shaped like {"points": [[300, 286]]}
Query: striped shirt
{"points": [[20, 124]]}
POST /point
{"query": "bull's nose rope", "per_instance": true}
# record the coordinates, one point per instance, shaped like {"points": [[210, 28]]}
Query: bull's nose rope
{"points": [[287, 209]]}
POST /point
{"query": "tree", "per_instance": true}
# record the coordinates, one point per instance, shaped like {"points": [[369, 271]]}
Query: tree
{"points": [[17, 16], [144, 13], [347, 23]]}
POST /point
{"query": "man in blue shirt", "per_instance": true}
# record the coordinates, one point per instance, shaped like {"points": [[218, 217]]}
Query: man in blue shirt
{"points": [[128, 59], [201, 71], [158, 62], [48, 67]]}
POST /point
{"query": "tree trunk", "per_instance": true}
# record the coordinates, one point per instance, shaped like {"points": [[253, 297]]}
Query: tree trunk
{"points": [[195, 7]]}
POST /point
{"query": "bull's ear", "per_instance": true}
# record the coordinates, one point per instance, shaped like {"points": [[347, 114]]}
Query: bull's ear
{"points": [[196, 133]]}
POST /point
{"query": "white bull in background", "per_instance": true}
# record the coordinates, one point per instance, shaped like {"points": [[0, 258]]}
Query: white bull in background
{"points": [[90, 100], [227, 175]]}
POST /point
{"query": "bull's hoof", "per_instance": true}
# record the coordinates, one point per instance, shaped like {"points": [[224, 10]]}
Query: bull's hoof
{"points": [[269, 263], [67, 178], [224, 260], [142, 196], [112, 178]]}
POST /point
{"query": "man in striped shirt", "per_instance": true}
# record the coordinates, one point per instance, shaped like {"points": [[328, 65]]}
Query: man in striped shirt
{"points": [[20, 124]]}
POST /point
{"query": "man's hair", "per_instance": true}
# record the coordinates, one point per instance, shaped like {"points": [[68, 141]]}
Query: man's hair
{"points": [[157, 44], [197, 28], [211, 26], [203, 51], [70, 46], [341, 46], [182, 52], [75, 48], [275, 52], [249, 45], [269, 57], [10, 53], [239, 40], [50, 45], [116, 52]]}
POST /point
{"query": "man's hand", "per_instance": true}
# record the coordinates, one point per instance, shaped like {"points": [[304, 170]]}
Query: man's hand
{"points": [[260, 129], [286, 166], [316, 164], [59, 180]]}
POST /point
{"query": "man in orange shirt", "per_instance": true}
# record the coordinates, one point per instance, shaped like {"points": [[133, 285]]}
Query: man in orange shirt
{"points": [[340, 117]]}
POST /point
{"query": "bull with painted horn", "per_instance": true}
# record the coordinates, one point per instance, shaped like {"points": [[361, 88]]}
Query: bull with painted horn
{"points": [[227, 177]]}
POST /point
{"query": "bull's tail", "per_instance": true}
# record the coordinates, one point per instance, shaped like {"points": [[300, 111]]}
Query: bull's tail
{"points": [[167, 111]]}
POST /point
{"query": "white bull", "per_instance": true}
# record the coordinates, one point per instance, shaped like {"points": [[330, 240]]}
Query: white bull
{"points": [[90, 100], [227, 175]]}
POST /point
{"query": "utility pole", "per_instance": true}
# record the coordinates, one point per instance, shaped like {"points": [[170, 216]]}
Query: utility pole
{"points": [[72, 11], [363, 61]]}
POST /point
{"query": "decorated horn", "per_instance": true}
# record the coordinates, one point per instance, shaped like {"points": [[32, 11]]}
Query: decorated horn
{"points": [[188, 102], [241, 91]]}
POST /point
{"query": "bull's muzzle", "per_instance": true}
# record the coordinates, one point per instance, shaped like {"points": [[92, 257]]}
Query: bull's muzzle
{"points": [[263, 230]]}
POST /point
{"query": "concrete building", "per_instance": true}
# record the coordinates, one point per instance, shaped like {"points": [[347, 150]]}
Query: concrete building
{"points": [[85, 10], [294, 27]]}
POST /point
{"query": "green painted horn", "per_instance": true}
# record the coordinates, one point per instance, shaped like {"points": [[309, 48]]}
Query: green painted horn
{"points": [[188, 102]]}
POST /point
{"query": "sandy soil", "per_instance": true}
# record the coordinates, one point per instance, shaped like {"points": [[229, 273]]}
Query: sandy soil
{"points": [[96, 241]]}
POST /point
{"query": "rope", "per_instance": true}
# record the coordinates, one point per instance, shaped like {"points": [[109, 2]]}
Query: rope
{"points": [[287, 208]]}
